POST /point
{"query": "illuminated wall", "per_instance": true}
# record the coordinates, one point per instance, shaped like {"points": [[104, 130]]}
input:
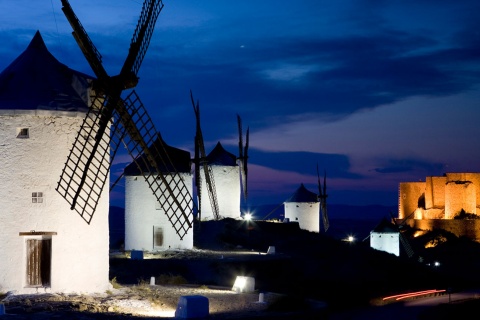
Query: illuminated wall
{"points": [[386, 241], [305, 213], [147, 227], [440, 197], [226, 178], [32, 166], [409, 195]]}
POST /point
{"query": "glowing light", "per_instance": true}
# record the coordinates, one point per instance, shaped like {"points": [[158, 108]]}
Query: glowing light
{"points": [[436, 264], [413, 294], [248, 216], [244, 284]]}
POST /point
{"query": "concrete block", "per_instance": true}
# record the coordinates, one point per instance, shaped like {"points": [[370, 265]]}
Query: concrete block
{"points": [[136, 255], [271, 250], [192, 307]]}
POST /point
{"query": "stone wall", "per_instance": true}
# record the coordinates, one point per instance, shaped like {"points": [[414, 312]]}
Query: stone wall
{"points": [[461, 228]]}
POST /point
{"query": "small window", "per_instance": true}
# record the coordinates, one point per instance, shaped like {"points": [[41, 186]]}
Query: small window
{"points": [[22, 133], [37, 197]]}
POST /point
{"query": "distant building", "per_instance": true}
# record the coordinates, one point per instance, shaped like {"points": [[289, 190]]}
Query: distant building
{"points": [[226, 176], [303, 207], [46, 246], [385, 237], [147, 226], [450, 202]]}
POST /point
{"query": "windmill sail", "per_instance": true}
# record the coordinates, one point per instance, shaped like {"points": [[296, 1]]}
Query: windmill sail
{"points": [[87, 166], [201, 161], [322, 196], [243, 156], [81, 183]]}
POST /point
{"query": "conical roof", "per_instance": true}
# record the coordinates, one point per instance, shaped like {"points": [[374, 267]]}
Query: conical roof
{"points": [[179, 158], [36, 80], [303, 195], [385, 226], [220, 156]]}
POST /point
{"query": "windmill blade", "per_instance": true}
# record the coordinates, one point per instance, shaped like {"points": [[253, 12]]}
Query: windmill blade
{"points": [[242, 156], [403, 239], [140, 40], [202, 161], [240, 137], [320, 194], [144, 145], [325, 184], [89, 50], [322, 197], [245, 167], [326, 222], [198, 182], [86, 169]]}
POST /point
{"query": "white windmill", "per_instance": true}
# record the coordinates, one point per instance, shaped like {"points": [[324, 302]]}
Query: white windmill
{"points": [[42, 106], [220, 175], [307, 208]]}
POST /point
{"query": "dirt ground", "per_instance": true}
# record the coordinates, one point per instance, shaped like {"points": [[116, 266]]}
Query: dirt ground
{"points": [[300, 281], [128, 302], [136, 298]]}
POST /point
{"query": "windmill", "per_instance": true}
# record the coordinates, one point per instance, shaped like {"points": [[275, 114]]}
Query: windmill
{"points": [[113, 120], [322, 197], [243, 156], [200, 160], [403, 239]]}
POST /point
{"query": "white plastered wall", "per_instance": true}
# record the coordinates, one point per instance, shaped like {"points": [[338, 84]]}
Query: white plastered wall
{"points": [[142, 214], [385, 241], [227, 186], [305, 213], [80, 256]]}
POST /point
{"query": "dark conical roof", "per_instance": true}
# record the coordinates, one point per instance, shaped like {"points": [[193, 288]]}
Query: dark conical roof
{"points": [[385, 226], [36, 80], [220, 156], [179, 158], [303, 195]]}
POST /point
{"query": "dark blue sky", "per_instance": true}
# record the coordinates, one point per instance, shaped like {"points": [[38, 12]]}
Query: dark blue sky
{"points": [[375, 92]]}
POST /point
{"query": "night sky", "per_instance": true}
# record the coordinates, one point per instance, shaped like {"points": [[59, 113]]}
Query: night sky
{"points": [[374, 92]]}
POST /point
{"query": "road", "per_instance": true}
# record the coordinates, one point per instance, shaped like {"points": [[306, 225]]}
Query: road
{"points": [[406, 310]]}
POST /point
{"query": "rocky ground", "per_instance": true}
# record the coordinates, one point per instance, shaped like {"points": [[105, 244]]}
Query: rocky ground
{"points": [[306, 278]]}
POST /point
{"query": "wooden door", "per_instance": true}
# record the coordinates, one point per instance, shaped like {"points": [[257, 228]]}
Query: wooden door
{"points": [[157, 237], [39, 254]]}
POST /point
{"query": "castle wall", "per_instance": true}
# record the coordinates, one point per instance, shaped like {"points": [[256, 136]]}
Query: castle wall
{"points": [[459, 195], [460, 227], [435, 192], [408, 198], [464, 193]]}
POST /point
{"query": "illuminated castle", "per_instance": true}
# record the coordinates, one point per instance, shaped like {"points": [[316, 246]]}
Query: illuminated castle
{"points": [[450, 202]]}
